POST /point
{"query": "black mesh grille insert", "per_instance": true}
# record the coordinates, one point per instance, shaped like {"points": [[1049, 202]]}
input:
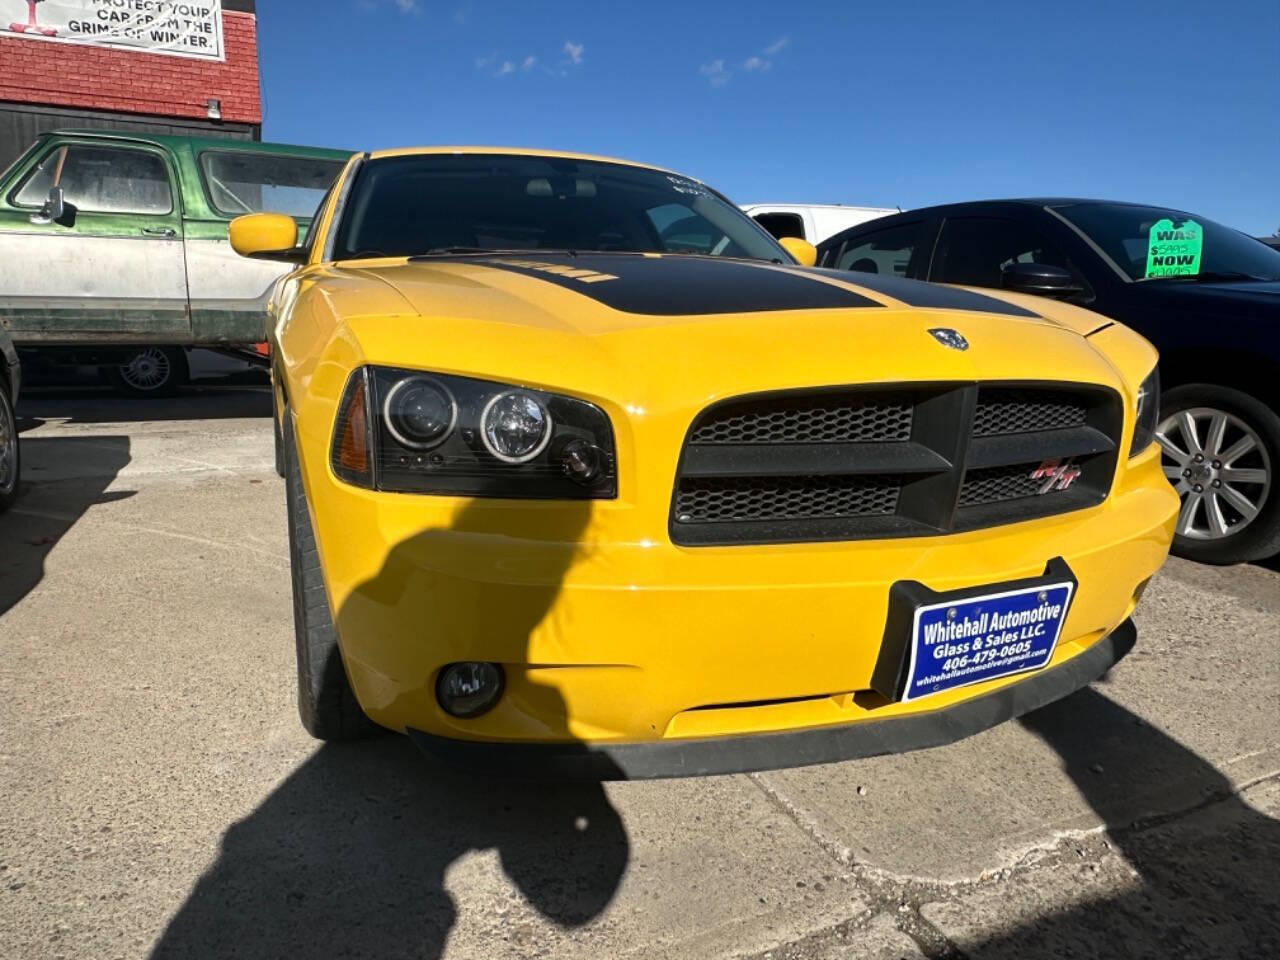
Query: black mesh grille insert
{"points": [[721, 500], [915, 460], [997, 484], [801, 420], [1003, 410]]}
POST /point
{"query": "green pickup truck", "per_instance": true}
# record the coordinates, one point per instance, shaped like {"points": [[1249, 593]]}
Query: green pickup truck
{"points": [[114, 252]]}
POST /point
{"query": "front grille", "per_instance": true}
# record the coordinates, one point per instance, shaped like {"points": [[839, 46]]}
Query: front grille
{"points": [[799, 420], [997, 484], [859, 463], [1012, 410], [718, 499]]}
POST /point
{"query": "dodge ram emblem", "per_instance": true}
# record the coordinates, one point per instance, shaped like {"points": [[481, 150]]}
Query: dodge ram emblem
{"points": [[950, 338], [1056, 475]]}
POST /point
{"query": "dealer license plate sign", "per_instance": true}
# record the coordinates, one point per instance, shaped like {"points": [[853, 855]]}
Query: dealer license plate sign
{"points": [[956, 643]]}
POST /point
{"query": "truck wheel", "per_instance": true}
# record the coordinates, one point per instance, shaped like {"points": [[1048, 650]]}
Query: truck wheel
{"points": [[1221, 450], [326, 702], [10, 461], [150, 372]]}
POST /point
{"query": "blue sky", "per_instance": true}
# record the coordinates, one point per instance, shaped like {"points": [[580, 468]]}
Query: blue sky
{"points": [[878, 103]]}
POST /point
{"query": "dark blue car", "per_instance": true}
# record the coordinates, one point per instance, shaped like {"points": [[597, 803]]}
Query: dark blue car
{"points": [[1207, 296]]}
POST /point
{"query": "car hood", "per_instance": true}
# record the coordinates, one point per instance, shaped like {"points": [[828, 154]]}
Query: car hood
{"points": [[1222, 299], [676, 332], [599, 294]]}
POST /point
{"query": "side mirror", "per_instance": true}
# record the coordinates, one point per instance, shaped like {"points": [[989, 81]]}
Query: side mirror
{"points": [[1041, 279], [805, 253], [54, 209], [266, 236]]}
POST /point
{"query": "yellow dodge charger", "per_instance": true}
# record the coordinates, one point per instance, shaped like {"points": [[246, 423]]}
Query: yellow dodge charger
{"points": [[588, 475]]}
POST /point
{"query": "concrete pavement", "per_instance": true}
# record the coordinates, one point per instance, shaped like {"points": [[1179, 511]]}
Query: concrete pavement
{"points": [[162, 800]]}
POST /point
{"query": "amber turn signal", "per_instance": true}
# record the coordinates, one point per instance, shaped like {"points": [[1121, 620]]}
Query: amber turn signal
{"points": [[351, 458]]}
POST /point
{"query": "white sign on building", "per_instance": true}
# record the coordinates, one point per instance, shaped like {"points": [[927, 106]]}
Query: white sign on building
{"points": [[185, 28]]}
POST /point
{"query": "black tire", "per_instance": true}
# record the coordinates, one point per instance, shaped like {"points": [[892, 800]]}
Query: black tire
{"points": [[10, 453], [150, 372], [1259, 537], [326, 702], [276, 429]]}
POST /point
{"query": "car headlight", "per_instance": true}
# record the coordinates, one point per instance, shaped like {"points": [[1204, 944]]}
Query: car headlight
{"points": [[1148, 414], [409, 431]]}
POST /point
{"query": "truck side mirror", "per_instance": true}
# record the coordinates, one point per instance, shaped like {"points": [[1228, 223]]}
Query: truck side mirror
{"points": [[54, 209]]}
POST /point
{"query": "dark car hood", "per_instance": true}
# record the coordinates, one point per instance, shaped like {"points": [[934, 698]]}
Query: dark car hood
{"points": [[1226, 298]]}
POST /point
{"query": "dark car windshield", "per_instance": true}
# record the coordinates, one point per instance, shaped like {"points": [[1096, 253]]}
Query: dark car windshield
{"points": [[457, 203], [1150, 243]]}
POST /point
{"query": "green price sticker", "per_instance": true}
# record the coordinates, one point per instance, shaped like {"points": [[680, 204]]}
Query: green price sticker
{"points": [[1174, 251]]}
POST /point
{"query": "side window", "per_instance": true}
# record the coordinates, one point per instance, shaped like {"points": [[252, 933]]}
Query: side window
{"points": [[885, 251], [781, 224], [239, 183], [101, 179], [973, 251]]}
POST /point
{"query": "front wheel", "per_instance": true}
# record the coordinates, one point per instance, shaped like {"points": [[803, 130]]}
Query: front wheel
{"points": [[1220, 450], [10, 462], [326, 702], [150, 372]]}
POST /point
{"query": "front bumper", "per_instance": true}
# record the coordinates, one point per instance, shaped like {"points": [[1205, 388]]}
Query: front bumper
{"points": [[609, 634], [744, 754]]}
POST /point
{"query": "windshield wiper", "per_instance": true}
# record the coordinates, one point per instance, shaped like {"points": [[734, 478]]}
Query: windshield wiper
{"points": [[1211, 276], [441, 251], [525, 251]]}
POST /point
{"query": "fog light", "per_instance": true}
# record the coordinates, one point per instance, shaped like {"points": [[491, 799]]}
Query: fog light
{"points": [[469, 689]]}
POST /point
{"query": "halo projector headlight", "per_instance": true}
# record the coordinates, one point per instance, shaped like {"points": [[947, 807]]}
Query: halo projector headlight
{"points": [[420, 412], [515, 427]]}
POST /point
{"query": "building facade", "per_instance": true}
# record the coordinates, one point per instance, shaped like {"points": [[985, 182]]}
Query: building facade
{"points": [[164, 66]]}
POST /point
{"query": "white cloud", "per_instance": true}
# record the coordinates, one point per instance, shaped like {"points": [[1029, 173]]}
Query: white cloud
{"points": [[506, 68], [574, 51], [775, 48], [756, 63], [482, 62], [528, 62], [407, 6], [715, 73]]}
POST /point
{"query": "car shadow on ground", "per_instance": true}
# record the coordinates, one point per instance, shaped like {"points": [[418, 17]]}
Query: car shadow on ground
{"points": [[49, 504], [103, 405], [349, 856], [1206, 883]]}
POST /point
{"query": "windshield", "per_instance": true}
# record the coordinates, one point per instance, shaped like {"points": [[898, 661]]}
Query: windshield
{"points": [[1152, 243], [450, 203]]}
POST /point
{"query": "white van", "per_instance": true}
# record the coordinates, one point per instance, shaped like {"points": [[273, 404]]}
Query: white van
{"points": [[814, 222]]}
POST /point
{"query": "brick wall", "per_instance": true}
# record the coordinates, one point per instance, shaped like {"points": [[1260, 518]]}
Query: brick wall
{"points": [[69, 75]]}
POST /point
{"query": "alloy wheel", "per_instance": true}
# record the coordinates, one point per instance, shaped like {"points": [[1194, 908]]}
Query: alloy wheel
{"points": [[1219, 466], [148, 369]]}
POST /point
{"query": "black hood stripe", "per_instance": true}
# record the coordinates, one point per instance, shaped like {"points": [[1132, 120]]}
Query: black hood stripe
{"points": [[679, 285], [930, 296]]}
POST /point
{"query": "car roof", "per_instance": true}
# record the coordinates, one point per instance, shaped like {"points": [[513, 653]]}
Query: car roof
{"points": [[1033, 202], [824, 206], [199, 143], [513, 152]]}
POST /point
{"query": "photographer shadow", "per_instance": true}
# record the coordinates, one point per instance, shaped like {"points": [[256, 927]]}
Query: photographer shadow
{"points": [[349, 855], [1205, 859]]}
